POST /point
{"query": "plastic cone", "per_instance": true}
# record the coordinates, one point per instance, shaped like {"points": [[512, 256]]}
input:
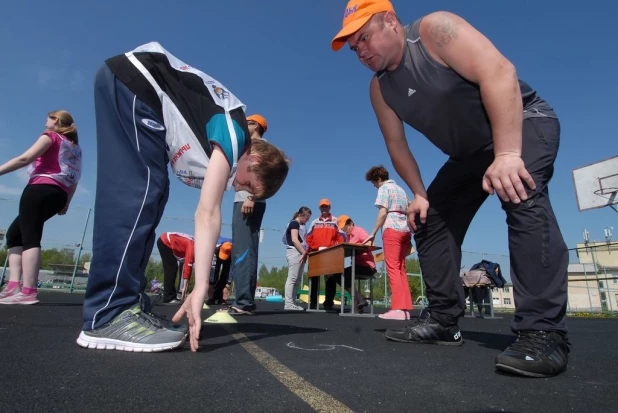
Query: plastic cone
{"points": [[221, 318]]}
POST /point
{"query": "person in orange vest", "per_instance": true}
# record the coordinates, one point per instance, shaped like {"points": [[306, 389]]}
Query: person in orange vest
{"points": [[323, 233]]}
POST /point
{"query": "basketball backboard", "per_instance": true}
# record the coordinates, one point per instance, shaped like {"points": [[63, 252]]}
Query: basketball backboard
{"points": [[596, 185]]}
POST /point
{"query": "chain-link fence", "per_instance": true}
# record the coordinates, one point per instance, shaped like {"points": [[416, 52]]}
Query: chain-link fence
{"points": [[67, 245], [593, 280]]}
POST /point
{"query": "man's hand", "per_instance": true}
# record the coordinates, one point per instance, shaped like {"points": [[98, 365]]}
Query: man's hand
{"points": [[247, 207], [303, 258], [192, 308], [504, 176], [419, 205]]}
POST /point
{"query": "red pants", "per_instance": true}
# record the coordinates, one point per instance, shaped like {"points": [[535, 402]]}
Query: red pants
{"points": [[396, 248]]}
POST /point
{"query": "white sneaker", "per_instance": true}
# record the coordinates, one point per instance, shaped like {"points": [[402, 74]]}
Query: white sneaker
{"points": [[8, 293], [20, 298], [293, 307]]}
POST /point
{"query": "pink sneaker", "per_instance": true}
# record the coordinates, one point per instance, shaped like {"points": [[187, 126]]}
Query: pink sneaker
{"points": [[8, 293], [395, 315], [20, 298]]}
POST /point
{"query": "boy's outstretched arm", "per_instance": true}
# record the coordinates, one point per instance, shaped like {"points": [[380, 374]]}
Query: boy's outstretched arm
{"points": [[207, 228]]}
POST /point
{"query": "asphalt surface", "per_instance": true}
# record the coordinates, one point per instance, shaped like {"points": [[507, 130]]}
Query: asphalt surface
{"points": [[291, 362]]}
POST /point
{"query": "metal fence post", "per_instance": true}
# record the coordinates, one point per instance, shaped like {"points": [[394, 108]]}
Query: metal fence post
{"points": [[79, 252], [423, 298], [596, 276], [587, 286], [607, 289]]}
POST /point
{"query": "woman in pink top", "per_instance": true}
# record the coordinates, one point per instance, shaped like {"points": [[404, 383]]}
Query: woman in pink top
{"points": [[55, 162]]}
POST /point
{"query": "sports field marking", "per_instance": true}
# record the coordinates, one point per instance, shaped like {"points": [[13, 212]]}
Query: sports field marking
{"points": [[314, 397], [324, 347]]}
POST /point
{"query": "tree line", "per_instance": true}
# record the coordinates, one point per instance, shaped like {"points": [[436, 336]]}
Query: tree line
{"points": [[274, 277]]}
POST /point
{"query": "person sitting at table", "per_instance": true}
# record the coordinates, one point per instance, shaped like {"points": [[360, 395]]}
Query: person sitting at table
{"points": [[364, 266], [323, 233]]}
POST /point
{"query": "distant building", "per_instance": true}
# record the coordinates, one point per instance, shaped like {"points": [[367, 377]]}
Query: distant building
{"points": [[603, 253], [593, 287], [503, 297]]}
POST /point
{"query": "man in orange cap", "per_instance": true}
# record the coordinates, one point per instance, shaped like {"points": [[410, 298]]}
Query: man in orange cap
{"points": [[246, 222], [446, 80], [259, 122], [323, 233]]}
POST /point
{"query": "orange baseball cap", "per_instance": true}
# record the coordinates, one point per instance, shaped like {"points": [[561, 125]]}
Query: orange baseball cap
{"points": [[357, 13], [260, 120], [342, 220], [225, 251], [324, 201]]}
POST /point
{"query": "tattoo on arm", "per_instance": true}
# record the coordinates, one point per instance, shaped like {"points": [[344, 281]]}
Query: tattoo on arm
{"points": [[443, 31]]}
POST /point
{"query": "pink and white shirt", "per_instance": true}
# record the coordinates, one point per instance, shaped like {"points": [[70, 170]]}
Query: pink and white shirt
{"points": [[60, 165], [392, 197]]}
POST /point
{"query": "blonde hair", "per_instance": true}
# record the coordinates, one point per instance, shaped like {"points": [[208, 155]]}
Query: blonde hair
{"points": [[66, 125], [271, 169]]}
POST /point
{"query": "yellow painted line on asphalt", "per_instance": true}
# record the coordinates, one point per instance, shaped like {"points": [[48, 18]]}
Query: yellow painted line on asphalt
{"points": [[314, 397]]}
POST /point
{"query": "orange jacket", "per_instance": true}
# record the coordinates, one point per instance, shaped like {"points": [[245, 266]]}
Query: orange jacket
{"points": [[324, 233]]}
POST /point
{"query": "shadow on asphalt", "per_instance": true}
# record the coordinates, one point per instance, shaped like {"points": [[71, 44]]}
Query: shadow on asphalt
{"points": [[255, 332]]}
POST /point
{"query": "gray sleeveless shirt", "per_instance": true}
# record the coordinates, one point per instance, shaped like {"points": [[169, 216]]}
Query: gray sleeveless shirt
{"points": [[442, 105]]}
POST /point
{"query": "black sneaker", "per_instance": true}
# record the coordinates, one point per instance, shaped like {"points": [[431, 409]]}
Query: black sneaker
{"points": [[535, 354], [426, 330]]}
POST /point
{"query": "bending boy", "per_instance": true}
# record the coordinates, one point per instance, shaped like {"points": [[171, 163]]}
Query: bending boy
{"points": [[151, 109]]}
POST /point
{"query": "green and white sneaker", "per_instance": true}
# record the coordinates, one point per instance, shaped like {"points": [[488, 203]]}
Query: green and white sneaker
{"points": [[133, 330]]}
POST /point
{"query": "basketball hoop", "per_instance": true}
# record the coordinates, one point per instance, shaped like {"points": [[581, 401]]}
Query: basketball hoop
{"points": [[596, 185], [606, 191]]}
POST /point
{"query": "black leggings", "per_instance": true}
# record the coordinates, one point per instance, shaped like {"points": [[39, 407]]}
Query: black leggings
{"points": [[170, 270], [38, 203]]}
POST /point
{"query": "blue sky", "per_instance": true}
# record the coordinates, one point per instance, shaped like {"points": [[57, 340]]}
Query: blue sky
{"points": [[275, 56]]}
